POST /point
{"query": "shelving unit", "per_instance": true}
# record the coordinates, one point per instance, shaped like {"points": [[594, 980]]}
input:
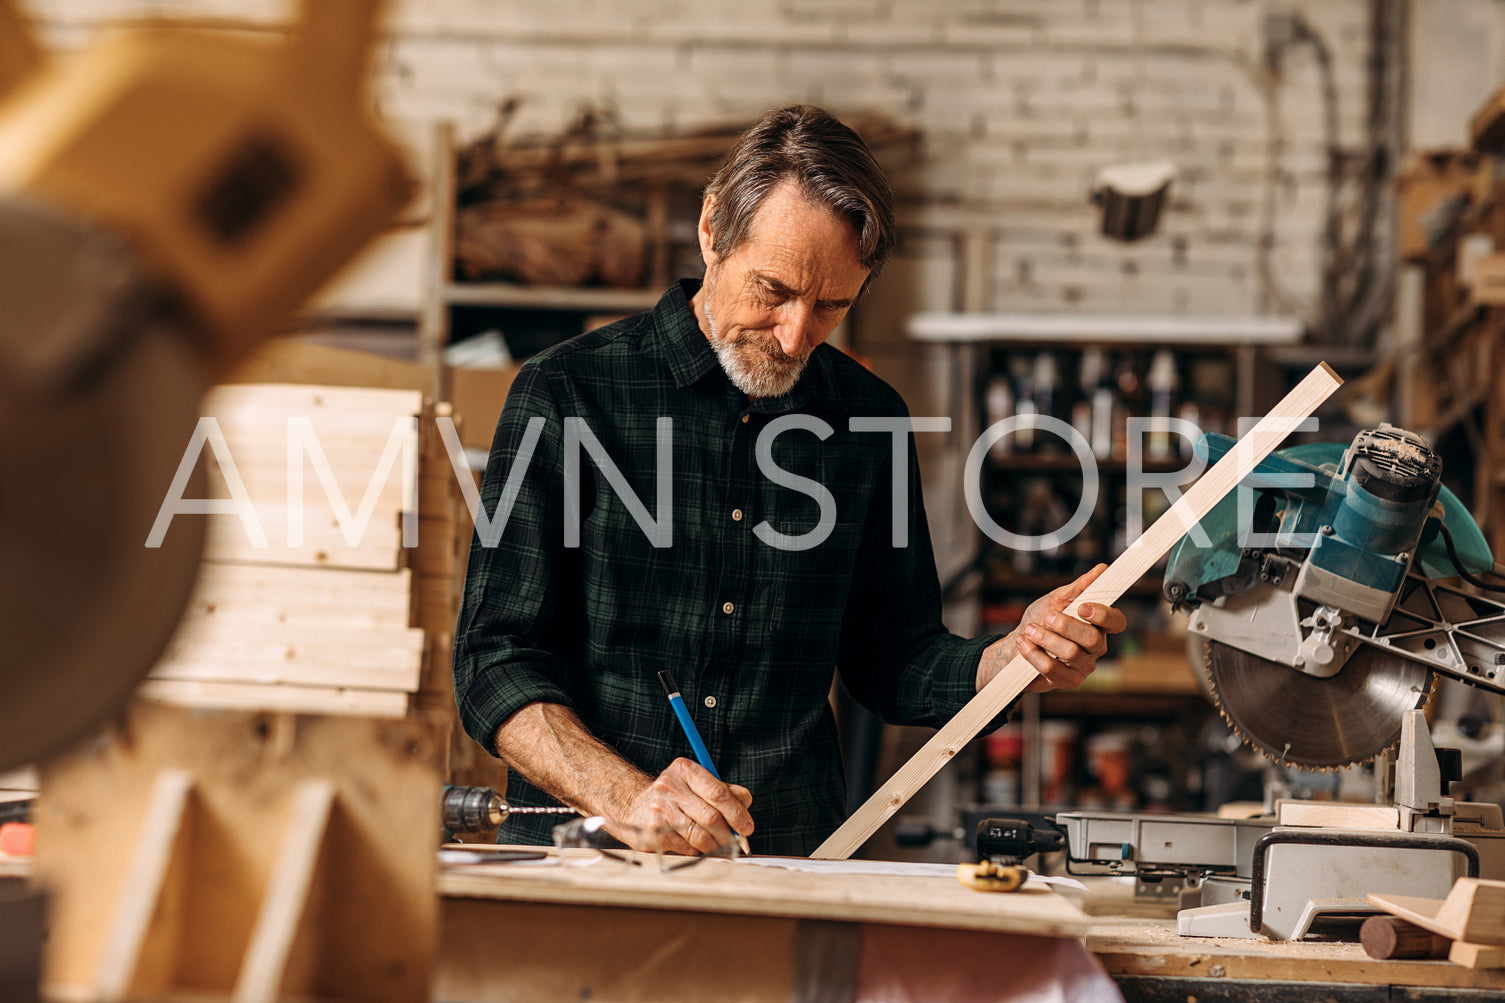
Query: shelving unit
{"points": [[1452, 387], [1151, 681], [443, 295]]}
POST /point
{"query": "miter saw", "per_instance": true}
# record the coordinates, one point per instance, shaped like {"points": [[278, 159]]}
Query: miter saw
{"points": [[1325, 595]]}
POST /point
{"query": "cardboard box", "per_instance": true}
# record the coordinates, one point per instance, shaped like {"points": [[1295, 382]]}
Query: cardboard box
{"points": [[1489, 280], [477, 395]]}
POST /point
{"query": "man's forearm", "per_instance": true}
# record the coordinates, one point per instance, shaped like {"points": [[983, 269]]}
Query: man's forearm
{"points": [[550, 746]]}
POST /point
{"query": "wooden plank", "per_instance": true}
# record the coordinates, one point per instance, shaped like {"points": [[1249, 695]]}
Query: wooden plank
{"points": [[1476, 955], [1150, 947], [146, 903], [1133, 564], [264, 976], [328, 598], [719, 886], [264, 482], [1474, 911], [378, 547], [1332, 815], [1475, 908], [268, 402], [287, 699], [287, 360], [387, 660]]}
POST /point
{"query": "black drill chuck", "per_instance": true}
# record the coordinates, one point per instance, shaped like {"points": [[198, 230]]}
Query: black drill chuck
{"points": [[472, 809]]}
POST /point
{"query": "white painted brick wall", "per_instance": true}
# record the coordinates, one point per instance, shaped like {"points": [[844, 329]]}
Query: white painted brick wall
{"points": [[1019, 102]]}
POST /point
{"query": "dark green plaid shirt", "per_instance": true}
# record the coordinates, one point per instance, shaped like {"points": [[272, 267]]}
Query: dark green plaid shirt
{"points": [[750, 631]]}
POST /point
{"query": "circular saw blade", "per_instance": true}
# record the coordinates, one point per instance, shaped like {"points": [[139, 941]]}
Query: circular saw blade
{"points": [[1305, 721], [99, 391]]}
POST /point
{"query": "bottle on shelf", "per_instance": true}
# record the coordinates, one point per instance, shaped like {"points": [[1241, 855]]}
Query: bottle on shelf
{"points": [[1046, 382], [1162, 383], [1092, 413], [1000, 405], [1126, 379], [1024, 401]]}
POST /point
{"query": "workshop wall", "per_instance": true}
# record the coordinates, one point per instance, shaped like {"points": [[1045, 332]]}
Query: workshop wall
{"points": [[1018, 104]]}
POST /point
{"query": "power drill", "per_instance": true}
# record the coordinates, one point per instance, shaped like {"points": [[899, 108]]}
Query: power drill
{"points": [[477, 809], [1003, 844]]}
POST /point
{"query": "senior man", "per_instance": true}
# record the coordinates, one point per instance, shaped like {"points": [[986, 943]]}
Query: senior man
{"points": [[710, 489]]}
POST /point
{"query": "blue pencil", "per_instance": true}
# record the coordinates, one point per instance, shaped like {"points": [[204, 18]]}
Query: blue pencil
{"points": [[702, 754]]}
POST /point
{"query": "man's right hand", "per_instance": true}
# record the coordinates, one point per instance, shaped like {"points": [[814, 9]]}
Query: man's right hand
{"points": [[683, 810]]}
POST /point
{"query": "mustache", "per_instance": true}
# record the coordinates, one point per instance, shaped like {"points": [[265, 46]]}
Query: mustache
{"points": [[768, 345]]}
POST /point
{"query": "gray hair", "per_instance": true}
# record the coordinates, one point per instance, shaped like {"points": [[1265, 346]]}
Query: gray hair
{"points": [[827, 160]]}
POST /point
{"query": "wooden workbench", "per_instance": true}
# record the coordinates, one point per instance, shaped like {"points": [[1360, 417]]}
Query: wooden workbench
{"points": [[514, 933], [737, 931], [1138, 945]]}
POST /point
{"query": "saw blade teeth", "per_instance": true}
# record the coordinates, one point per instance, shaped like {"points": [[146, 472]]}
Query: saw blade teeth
{"points": [[1310, 723]]}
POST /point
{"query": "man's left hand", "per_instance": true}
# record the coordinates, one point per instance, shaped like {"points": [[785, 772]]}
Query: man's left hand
{"points": [[1058, 645]]}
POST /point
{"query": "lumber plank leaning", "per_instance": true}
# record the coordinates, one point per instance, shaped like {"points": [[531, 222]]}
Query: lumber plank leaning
{"points": [[1130, 566]]}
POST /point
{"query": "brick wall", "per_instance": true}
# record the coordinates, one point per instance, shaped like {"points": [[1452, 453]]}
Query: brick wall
{"points": [[1019, 104]]}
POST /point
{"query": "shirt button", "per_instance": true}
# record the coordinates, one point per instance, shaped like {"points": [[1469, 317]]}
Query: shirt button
{"points": [[744, 418], [727, 607], [710, 701], [736, 515]]}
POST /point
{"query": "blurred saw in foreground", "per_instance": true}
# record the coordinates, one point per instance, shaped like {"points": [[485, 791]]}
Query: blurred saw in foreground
{"points": [[168, 197], [1329, 589]]}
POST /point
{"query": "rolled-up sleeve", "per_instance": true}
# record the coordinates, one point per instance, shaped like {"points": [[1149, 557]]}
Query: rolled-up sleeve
{"points": [[504, 649]]}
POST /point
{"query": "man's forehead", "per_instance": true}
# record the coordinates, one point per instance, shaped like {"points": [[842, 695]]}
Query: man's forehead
{"points": [[786, 204], [791, 235]]}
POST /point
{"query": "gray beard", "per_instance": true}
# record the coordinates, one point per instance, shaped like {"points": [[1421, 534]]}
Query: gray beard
{"points": [[750, 368]]}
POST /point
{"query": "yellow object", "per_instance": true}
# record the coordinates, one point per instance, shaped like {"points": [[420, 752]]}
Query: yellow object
{"points": [[991, 877]]}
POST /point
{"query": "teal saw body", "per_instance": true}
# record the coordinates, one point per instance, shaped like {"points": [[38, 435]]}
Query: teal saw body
{"points": [[1325, 595]]}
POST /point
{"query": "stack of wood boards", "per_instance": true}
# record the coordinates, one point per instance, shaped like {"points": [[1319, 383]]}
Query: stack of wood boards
{"points": [[353, 619]]}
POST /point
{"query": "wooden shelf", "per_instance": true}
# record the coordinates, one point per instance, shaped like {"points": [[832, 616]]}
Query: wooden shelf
{"points": [[1106, 329], [585, 300]]}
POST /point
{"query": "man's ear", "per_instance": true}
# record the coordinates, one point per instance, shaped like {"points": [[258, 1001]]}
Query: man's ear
{"points": [[707, 254]]}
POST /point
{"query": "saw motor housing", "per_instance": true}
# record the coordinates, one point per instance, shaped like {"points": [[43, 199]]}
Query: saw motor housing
{"points": [[1343, 535], [1311, 543]]}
